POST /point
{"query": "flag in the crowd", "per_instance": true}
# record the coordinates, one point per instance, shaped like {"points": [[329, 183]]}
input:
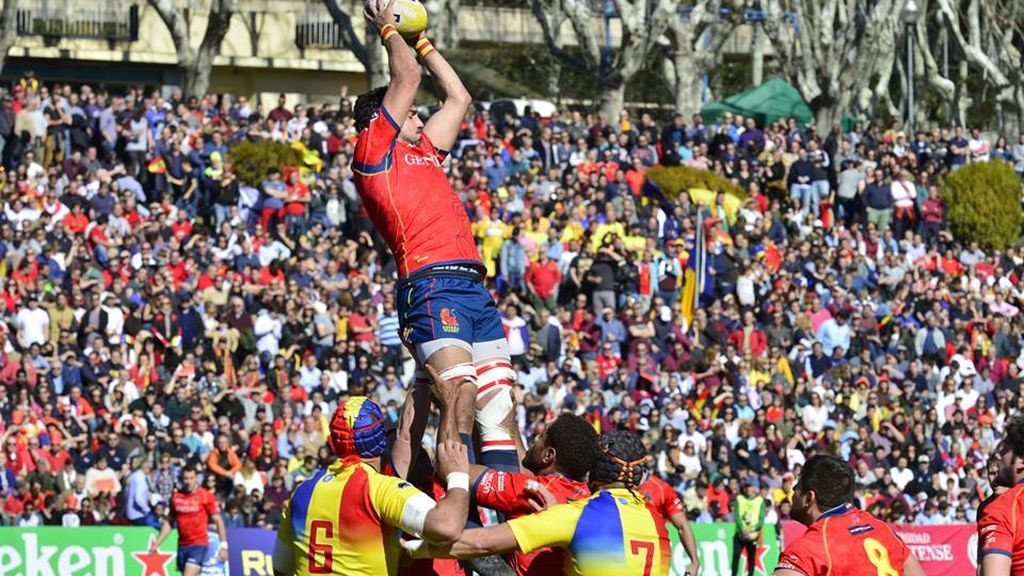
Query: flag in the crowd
{"points": [[695, 277], [157, 165]]}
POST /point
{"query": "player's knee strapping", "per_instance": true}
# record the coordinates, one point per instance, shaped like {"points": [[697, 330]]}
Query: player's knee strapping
{"points": [[495, 379]]}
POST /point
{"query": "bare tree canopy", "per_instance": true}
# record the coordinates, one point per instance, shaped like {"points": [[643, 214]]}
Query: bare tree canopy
{"points": [[988, 32], [693, 51], [642, 23], [195, 64], [834, 50], [369, 53]]}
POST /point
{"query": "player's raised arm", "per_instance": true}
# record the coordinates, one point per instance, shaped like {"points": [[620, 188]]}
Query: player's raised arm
{"points": [[405, 72], [444, 524], [443, 126]]}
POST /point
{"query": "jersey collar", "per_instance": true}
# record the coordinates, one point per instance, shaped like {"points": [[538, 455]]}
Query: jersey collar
{"points": [[837, 511]]}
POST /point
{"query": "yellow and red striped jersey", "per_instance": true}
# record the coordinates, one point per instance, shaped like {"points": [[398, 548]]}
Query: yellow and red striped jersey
{"points": [[343, 520]]}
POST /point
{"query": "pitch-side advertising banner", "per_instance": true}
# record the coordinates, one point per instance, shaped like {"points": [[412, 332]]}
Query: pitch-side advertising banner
{"points": [[942, 550], [124, 551]]}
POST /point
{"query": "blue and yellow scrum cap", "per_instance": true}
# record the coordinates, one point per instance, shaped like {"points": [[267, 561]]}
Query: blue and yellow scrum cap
{"points": [[357, 429]]}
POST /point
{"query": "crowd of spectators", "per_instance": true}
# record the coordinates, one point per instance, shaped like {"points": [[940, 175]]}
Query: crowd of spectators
{"points": [[158, 313]]}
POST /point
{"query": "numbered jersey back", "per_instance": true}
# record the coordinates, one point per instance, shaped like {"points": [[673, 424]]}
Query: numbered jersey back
{"points": [[846, 541], [343, 520], [613, 533]]}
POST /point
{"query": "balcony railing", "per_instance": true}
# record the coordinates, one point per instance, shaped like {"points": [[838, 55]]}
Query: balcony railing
{"points": [[316, 29], [101, 20]]}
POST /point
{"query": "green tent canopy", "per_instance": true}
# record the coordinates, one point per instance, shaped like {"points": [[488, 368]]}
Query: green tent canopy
{"points": [[766, 103]]}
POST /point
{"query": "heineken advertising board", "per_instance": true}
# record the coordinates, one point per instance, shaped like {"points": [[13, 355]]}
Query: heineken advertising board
{"points": [[124, 551], [714, 547], [113, 551]]}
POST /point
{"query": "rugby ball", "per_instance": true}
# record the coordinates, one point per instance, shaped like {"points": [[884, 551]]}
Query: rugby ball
{"points": [[410, 17]]}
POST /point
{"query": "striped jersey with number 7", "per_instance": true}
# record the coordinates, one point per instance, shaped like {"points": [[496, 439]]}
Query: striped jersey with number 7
{"points": [[612, 533]]}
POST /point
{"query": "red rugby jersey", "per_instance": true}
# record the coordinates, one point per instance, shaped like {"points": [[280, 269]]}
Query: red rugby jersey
{"points": [[505, 492], [1001, 528], [846, 541], [192, 511], [661, 497], [407, 195]]}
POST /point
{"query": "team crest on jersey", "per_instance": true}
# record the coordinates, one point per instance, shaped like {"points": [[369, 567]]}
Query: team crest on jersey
{"points": [[449, 323]]}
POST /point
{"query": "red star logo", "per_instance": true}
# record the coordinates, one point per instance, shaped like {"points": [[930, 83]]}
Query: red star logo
{"points": [[759, 559], [154, 564]]}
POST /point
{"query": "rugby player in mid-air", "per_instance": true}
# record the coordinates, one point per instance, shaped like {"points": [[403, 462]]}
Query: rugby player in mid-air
{"points": [[448, 318], [841, 540]]}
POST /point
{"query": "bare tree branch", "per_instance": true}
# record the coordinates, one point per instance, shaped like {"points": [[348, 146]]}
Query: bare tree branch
{"points": [[195, 65], [641, 22], [835, 50], [369, 53]]}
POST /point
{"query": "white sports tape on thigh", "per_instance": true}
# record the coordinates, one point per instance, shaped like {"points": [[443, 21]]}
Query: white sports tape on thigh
{"points": [[495, 376], [465, 371]]}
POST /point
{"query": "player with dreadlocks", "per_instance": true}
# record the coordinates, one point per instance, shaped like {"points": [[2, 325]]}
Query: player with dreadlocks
{"points": [[613, 532]]}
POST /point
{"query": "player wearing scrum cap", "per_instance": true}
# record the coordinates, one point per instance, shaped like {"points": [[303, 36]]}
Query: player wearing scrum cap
{"points": [[343, 519]]}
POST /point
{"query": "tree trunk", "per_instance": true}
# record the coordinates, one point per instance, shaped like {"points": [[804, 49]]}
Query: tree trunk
{"points": [[757, 50], [8, 33], [612, 98], [444, 23], [554, 81], [687, 84], [368, 52], [195, 77], [824, 117]]}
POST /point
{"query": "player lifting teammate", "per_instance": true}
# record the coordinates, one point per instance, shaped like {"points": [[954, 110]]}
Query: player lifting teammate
{"points": [[448, 318], [841, 540], [343, 520], [1001, 521], [612, 533]]}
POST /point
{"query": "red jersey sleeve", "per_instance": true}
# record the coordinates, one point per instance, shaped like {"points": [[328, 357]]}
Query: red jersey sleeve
{"points": [[503, 491], [376, 143], [802, 556], [996, 530]]}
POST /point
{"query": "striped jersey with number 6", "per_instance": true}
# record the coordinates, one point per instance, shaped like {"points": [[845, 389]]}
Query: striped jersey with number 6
{"points": [[342, 521]]}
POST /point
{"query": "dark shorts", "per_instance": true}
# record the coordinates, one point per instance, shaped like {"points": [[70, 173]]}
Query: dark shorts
{"points": [[191, 555], [436, 306]]}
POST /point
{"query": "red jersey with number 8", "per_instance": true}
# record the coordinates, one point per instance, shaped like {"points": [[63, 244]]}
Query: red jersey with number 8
{"points": [[846, 541], [192, 511], [408, 197]]}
